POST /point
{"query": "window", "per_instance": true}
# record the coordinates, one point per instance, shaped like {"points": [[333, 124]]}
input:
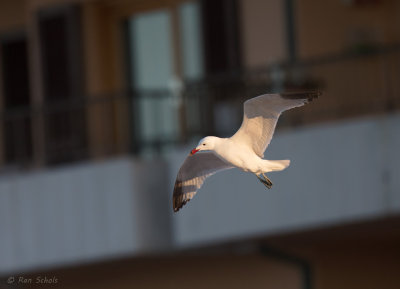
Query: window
{"points": [[221, 35], [61, 54], [168, 46], [17, 138]]}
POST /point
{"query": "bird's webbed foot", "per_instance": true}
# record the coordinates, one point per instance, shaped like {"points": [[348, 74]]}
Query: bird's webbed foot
{"points": [[265, 180]]}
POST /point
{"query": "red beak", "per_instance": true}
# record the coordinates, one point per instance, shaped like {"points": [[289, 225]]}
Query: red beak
{"points": [[193, 151]]}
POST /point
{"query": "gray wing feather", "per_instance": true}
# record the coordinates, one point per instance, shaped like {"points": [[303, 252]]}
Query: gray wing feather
{"points": [[192, 174], [261, 114]]}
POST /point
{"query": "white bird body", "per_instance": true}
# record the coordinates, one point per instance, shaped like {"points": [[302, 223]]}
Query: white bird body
{"points": [[244, 150], [243, 157]]}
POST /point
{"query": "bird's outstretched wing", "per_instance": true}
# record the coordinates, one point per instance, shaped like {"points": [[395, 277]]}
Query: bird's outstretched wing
{"points": [[194, 170], [261, 114]]}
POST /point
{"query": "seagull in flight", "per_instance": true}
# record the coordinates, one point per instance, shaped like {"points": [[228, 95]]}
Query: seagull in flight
{"points": [[244, 150]]}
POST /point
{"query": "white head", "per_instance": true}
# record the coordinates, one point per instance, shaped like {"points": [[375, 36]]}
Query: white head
{"points": [[205, 144]]}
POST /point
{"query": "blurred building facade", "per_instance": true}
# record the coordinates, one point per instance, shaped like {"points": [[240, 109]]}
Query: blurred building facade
{"points": [[100, 101]]}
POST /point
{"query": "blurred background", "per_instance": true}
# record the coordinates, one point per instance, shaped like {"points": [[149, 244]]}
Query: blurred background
{"points": [[101, 101]]}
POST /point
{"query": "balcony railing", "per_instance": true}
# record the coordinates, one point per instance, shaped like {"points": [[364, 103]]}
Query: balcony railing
{"points": [[150, 122]]}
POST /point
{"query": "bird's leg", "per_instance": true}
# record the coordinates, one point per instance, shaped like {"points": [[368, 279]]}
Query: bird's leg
{"points": [[264, 182], [267, 180]]}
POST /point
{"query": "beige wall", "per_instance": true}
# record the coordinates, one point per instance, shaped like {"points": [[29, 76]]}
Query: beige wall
{"points": [[263, 32], [321, 27], [12, 15], [326, 27], [100, 60]]}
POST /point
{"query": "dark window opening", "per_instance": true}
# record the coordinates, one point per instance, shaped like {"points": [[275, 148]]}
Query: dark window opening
{"points": [[221, 35], [16, 119], [65, 120]]}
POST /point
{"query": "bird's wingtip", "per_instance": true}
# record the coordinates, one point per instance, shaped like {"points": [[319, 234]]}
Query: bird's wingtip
{"points": [[310, 95], [179, 202]]}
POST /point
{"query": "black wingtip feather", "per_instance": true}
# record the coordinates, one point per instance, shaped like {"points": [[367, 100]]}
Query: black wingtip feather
{"points": [[179, 201], [309, 95], [179, 198]]}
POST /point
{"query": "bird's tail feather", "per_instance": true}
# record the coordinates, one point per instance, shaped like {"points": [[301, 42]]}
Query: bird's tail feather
{"points": [[274, 166]]}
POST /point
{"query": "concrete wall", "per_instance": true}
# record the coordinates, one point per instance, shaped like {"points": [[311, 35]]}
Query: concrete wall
{"points": [[81, 213], [340, 172]]}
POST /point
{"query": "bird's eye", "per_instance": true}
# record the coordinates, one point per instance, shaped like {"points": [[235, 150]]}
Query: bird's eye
{"points": [[204, 144]]}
